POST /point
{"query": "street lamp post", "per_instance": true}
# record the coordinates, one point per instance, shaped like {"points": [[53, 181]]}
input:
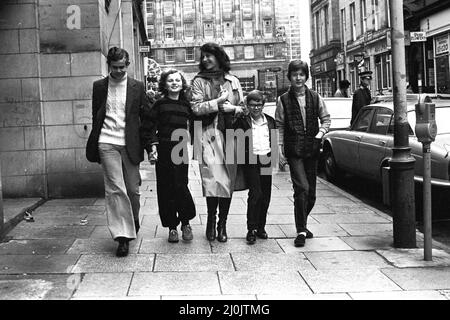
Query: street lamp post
{"points": [[402, 163]]}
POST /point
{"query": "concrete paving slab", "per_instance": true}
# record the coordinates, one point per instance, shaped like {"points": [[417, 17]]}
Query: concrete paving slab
{"points": [[368, 229], [335, 200], [36, 247], [399, 295], [46, 211], [241, 246], [370, 242], [104, 285], [24, 289], [335, 281], [271, 262], [327, 193], [33, 231], [349, 208], [420, 278], [281, 209], [350, 218], [282, 201], [36, 287], [322, 209], [175, 283], [316, 244], [305, 297], [346, 260], [99, 246], [319, 230], [161, 245], [110, 263], [193, 262], [405, 258], [259, 283], [15, 264]]}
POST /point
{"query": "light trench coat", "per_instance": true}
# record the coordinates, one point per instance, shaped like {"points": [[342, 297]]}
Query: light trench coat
{"points": [[219, 178]]}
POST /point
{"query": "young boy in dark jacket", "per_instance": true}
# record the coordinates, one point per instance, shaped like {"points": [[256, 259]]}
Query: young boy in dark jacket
{"points": [[258, 128]]}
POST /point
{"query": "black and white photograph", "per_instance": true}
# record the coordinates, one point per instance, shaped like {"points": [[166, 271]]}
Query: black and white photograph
{"points": [[224, 158]]}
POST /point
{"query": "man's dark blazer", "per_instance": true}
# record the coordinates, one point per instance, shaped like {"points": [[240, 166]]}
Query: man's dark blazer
{"points": [[361, 98], [137, 106]]}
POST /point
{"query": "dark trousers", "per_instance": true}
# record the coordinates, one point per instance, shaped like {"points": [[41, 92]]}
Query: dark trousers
{"points": [[304, 177], [172, 189], [259, 194], [223, 204]]}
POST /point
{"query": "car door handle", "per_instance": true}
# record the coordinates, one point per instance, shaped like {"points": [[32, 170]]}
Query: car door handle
{"points": [[382, 143], [358, 138]]}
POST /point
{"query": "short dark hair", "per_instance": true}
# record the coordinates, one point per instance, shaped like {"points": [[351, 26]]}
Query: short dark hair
{"points": [[344, 84], [116, 54], [298, 65], [218, 52], [162, 82], [255, 95]]}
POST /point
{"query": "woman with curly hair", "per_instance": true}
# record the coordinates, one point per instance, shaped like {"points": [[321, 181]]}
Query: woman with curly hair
{"points": [[216, 99], [169, 113]]}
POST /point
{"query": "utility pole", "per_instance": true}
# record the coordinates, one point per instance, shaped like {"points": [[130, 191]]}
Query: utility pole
{"points": [[402, 163]]}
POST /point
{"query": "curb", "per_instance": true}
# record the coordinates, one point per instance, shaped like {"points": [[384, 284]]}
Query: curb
{"points": [[14, 221]]}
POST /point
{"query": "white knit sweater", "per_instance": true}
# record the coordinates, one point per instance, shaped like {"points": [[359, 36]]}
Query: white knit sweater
{"points": [[113, 130]]}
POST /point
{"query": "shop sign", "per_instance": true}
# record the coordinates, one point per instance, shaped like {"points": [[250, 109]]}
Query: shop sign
{"points": [[418, 36], [340, 60], [442, 45]]}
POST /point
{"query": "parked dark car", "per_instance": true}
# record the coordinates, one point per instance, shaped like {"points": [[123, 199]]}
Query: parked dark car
{"points": [[366, 147]]}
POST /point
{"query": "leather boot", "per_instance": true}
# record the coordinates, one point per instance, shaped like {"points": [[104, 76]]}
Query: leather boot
{"points": [[222, 231], [211, 227]]}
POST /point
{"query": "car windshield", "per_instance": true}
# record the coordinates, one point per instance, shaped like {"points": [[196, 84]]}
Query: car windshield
{"points": [[442, 119]]}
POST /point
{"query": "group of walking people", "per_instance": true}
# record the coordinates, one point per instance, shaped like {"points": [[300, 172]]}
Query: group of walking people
{"points": [[125, 123]]}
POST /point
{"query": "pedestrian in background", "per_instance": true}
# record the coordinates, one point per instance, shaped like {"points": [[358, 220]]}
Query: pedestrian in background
{"points": [[342, 92], [300, 137], [170, 113], [362, 96], [119, 105], [217, 98], [258, 165]]}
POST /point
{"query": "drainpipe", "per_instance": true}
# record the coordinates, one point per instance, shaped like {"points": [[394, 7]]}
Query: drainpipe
{"points": [[120, 23]]}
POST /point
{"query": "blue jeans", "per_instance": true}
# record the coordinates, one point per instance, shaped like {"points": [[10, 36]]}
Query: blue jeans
{"points": [[122, 181], [304, 177]]}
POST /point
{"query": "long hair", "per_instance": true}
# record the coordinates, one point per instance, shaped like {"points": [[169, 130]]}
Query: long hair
{"points": [[162, 83], [218, 52]]}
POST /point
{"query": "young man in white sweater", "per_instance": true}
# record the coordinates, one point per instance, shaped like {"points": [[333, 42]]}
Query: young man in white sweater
{"points": [[119, 104]]}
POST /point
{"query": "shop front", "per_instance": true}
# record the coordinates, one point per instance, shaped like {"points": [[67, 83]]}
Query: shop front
{"points": [[436, 52]]}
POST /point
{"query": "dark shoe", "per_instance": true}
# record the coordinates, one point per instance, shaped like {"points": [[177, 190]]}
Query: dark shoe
{"points": [[211, 228], [251, 237], [262, 234], [122, 249], [137, 226], [187, 233], [222, 231], [173, 236], [300, 240], [309, 234]]}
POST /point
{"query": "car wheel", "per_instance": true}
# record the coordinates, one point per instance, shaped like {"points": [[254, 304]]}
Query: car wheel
{"points": [[330, 167]]}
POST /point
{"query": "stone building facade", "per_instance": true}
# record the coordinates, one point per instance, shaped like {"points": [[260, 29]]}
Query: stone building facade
{"points": [[51, 52], [245, 28]]}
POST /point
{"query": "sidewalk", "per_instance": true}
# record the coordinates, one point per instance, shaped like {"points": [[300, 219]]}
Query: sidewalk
{"points": [[68, 253]]}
